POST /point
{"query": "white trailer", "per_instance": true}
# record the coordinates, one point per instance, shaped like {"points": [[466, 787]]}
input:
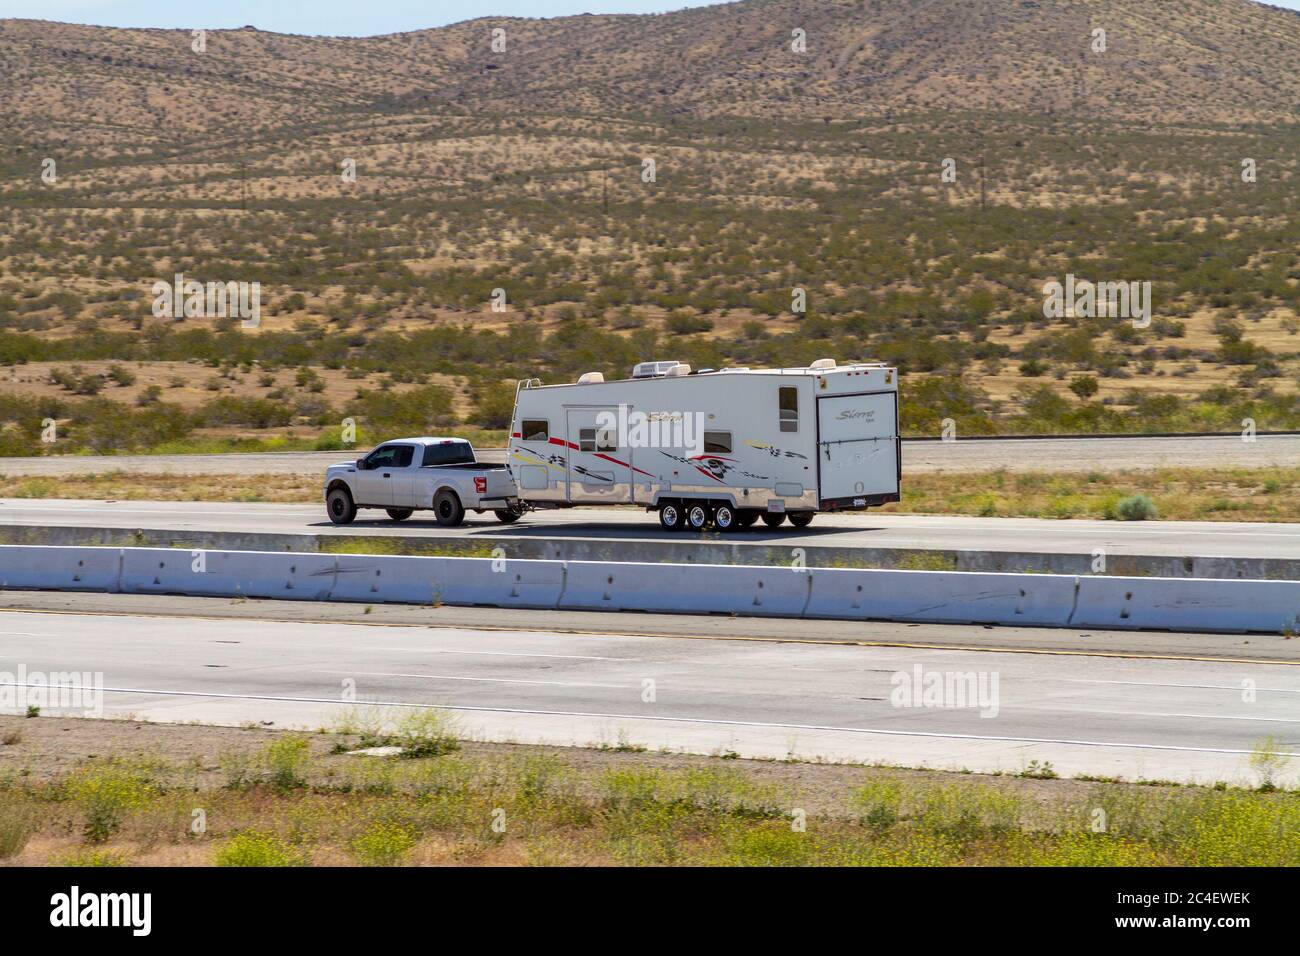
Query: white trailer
{"points": [[722, 448]]}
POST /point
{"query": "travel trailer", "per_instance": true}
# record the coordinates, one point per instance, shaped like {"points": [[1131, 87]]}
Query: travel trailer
{"points": [[707, 448]]}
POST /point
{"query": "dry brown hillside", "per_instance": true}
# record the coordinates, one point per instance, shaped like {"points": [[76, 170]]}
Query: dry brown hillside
{"points": [[1202, 60]]}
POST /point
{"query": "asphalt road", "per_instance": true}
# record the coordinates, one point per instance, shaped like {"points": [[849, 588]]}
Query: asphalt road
{"points": [[1190, 538], [1064, 454], [1133, 716]]}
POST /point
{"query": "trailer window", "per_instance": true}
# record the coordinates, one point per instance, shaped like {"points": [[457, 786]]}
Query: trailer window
{"points": [[534, 429], [592, 439], [789, 404], [717, 443]]}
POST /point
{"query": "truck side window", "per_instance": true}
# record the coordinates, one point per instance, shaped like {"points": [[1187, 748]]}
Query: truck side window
{"points": [[717, 443], [789, 404], [403, 457], [535, 430], [382, 457]]}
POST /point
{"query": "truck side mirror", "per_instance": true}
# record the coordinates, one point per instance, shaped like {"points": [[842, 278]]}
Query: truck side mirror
{"points": [[361, 464]]}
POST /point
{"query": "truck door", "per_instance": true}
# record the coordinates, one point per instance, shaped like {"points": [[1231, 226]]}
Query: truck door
{"points": [[405, 481], [857, 445], [597, 469], [374, 485]]}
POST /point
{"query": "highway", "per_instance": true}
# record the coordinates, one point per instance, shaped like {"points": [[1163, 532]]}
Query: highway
{"points": [[919, 457], [870, 530], [1136, 715]]}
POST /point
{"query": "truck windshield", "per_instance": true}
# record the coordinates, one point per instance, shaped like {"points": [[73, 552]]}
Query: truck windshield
{"points": [[453, 453]]}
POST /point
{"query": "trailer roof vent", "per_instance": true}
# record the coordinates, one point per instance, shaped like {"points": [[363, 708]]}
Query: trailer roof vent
{"points": [[652, 369], [590, 378], [678, 369], [821, 364]]}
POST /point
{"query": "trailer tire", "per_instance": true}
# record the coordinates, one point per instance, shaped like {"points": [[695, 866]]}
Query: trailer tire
{"points": [[746, 517], [508, 515], [773, 519], [697, 515], [725, 518], [801, 519], [671, 516], [448, 509], [340, 506], [400, 514]]}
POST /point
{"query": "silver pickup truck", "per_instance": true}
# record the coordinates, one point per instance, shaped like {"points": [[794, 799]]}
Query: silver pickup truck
{"points": [[415, 474]]}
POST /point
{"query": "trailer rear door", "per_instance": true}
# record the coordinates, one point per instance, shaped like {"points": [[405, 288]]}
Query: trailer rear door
{"points": [[857, 447]]}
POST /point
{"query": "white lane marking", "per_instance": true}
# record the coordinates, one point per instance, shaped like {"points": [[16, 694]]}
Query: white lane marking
{"points": [[1141, 683], [486, 680], [680, 720]]}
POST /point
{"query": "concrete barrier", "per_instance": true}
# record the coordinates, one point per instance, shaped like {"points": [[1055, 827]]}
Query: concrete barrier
{"points": [[954, 597], [409, 580], [1036, 600], [684, 588], [254, 574], [528, 544], [1182, 605], [67, 569]]}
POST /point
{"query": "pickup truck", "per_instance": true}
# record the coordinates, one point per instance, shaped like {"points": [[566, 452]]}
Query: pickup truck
{"points": [[416, 474]]}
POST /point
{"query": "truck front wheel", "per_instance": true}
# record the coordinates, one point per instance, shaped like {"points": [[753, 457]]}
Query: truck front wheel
{"points": [[448, 509], [340, 507]]}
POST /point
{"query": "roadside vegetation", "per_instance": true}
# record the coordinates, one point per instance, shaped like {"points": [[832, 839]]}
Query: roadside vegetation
{"points": [[283, 799], [382, 312], [1173, 494]]}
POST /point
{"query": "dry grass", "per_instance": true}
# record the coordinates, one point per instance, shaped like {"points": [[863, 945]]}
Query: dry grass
{"points": [[274, 799], [1237, 494]]}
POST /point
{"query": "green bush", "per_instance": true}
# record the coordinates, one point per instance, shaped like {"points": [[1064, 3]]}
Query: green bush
{"points": [[383, 844], [257, 849], [1135, 508]]}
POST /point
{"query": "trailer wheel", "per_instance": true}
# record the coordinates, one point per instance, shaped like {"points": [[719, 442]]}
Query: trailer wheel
{"points": [[746, 517], [671, 516], [773, 519], [697, 516], [508, 515], [340, 507], [448, 509], [801, 519], [725, 518], [400, 514]]}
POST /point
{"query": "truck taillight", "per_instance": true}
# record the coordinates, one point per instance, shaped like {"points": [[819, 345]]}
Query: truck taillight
{"points": [[480, 485]]}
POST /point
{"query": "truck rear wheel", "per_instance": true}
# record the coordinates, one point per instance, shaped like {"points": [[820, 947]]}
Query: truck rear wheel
{"points": [[448, 509], [671, 516], [773, 519], [400, 514], [340, 507], [801, 519]]}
